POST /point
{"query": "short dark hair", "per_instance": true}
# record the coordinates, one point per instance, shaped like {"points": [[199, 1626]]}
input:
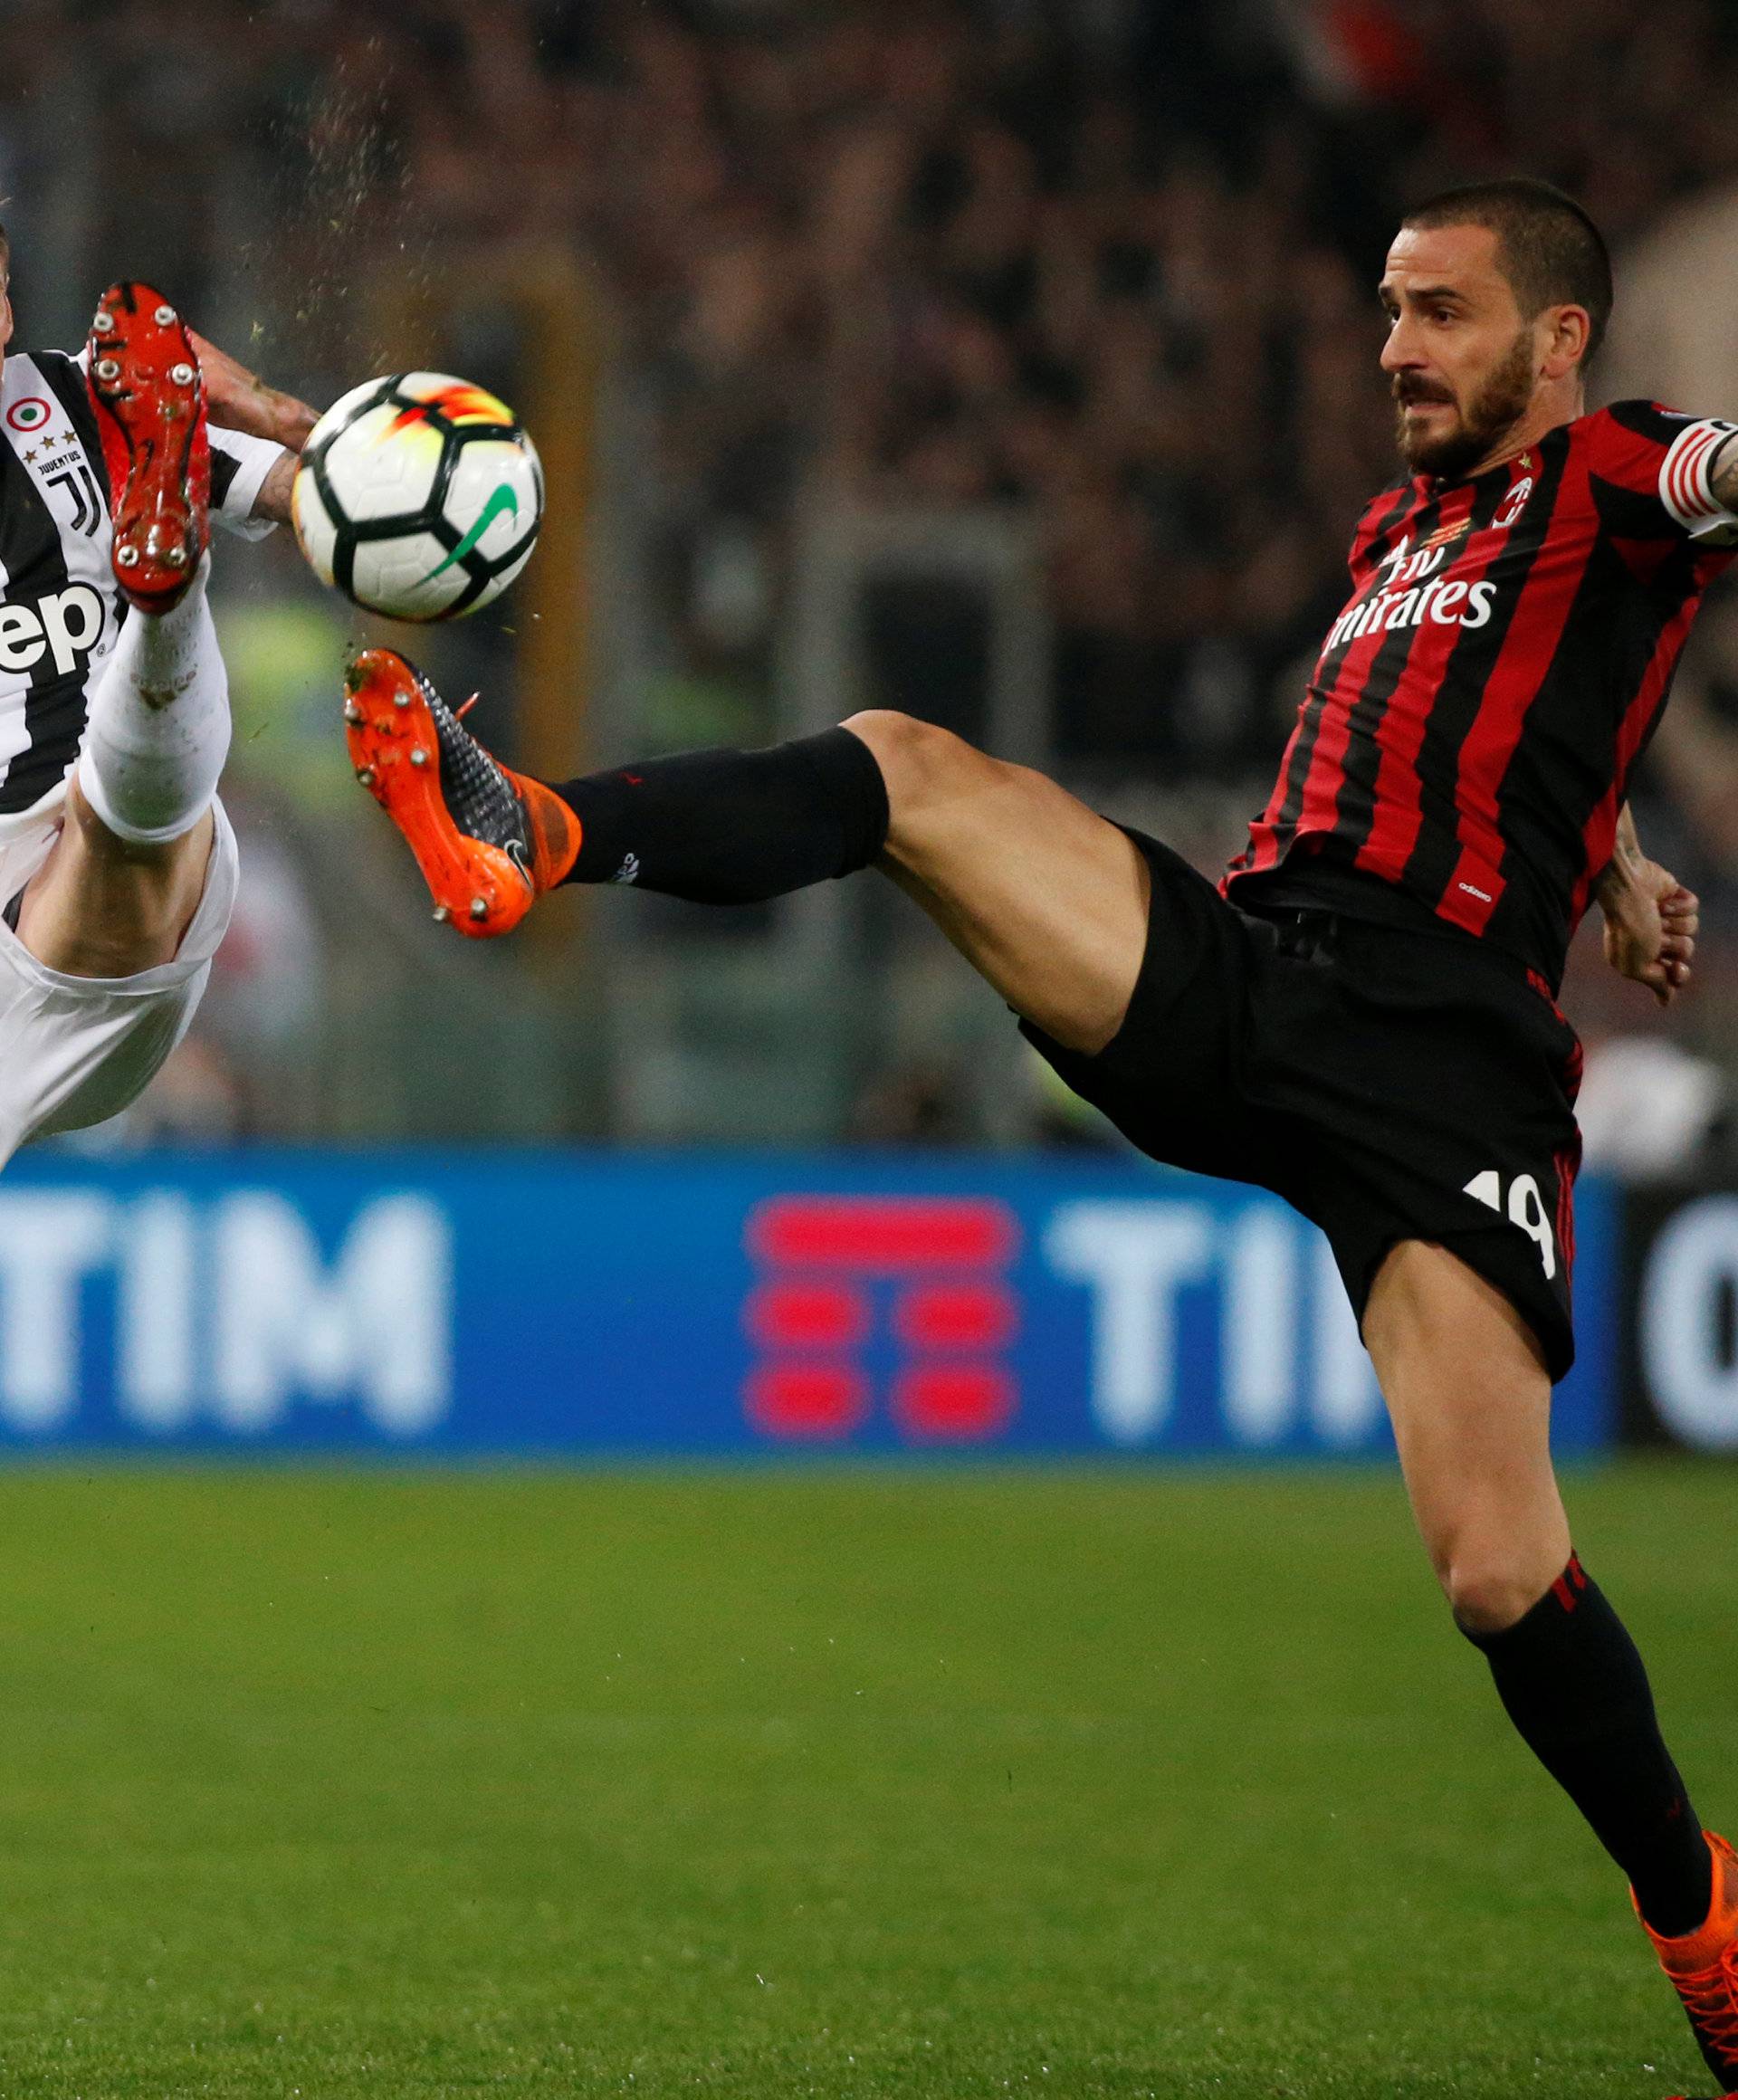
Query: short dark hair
{"points": [[1549, 248], [5, 256]]}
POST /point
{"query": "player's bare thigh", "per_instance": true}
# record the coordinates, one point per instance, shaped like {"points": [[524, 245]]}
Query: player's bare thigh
{"points": [[102, 907], [1470, 1398], [1042, 897]]}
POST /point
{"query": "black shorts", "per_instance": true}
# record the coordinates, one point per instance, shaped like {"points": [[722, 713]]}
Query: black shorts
{"points": [[1392, 1084]]}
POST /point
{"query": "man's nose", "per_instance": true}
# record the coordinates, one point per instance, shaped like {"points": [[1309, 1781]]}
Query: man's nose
{"points": [[1401, 350]]}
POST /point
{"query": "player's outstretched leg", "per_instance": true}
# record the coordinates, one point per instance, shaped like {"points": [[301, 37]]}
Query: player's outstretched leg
{"points": [[128, 870], [1470, 1398], [1044, 898], [716, 827]]}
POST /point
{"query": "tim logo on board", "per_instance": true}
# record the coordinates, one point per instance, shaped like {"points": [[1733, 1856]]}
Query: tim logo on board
{"points": [[1214, 1323], [867, 1300], [1134, 1322], [175, 1316]]}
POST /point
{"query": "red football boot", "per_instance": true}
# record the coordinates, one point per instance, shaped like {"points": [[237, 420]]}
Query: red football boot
{"points": [[488, 841], [150, 403], [1703, 1967]]}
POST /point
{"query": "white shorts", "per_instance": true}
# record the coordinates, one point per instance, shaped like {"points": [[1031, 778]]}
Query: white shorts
{"points": [[77, 1050]]}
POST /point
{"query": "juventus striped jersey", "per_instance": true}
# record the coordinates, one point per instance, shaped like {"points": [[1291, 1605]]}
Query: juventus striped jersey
{"points": [[1477, 709], [60, 610]]}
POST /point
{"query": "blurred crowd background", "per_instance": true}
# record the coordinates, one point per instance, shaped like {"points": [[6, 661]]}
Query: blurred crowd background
{"points": [[1014, 363]]}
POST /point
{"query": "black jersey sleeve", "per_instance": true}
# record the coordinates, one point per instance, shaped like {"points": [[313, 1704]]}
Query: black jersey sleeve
{"points": [[1659, 463]]}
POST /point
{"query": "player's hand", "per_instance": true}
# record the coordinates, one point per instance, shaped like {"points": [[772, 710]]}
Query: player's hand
{"points": [[1650, 925], [237, 400]]}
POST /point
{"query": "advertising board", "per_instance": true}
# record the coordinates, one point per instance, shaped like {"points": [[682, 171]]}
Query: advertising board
{"points": [[1680, 1295], [588, 1303]]}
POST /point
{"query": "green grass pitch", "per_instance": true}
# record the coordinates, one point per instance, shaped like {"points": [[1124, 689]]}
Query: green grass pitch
{"points": [[909, 1783]]}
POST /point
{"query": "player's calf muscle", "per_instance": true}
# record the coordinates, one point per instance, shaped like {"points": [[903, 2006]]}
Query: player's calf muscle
{"points": [[1047, 899], [925, 767], [943, 792]]}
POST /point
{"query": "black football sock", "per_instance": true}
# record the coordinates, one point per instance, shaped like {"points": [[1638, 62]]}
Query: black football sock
{"points": [[732, 827], [1574, 1686]]}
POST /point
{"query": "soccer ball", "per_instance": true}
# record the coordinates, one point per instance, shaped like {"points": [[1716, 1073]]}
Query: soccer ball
{"points": [[418, 496]]}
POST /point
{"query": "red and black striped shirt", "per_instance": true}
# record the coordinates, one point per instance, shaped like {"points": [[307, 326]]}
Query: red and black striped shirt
{"points": [[1477, 709]]}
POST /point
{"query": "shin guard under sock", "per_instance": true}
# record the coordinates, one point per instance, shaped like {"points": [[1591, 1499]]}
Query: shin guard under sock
{"points": [[732, 827], [1574, 1686], [157, 731]]}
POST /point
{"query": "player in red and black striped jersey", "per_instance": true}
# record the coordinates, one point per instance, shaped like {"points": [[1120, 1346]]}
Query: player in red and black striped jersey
{"points": [[1365, 1018], [1478, 707]]}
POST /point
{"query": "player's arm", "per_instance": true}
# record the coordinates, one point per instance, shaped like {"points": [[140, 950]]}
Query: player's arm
{"points": [[1650, 918], [237, 399], [272, 502], [1723, 474]]}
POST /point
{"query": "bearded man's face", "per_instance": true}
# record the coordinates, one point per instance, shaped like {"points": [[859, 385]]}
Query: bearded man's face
{"points": [[1450, 445], [1461, 360]]}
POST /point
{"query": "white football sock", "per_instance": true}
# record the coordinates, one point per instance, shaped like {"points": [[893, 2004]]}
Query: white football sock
{"points": [[158, 727]]}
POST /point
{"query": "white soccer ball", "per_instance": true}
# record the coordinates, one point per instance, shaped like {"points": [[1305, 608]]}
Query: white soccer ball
{"points": [[418, 496]]}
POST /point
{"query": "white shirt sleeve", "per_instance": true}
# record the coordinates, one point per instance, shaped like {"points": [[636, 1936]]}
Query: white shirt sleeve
{"points": [[239, 465], [1684, 485]]}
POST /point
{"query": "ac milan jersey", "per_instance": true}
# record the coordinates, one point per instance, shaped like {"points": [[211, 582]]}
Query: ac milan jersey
{"points": [[1477, 709], [60, 610]]}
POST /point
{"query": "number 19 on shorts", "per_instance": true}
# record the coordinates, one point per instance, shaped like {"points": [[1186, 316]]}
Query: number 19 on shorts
{"points": [[1524, 1207]]}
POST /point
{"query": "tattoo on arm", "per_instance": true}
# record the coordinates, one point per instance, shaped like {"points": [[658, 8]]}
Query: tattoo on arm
{"points": [[237, 399], [273, 499]]}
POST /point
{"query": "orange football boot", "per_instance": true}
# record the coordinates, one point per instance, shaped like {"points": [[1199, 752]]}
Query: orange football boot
{"points": [[150, 401], [1703, 1967], [488, 841]]}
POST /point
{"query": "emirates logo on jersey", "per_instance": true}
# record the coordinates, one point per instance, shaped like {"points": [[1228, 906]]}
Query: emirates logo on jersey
{"points": [[1411, 595]]}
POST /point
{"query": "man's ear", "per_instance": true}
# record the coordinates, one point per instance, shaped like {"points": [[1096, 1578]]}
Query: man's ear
{"points": [[1567, 330], [5, 316]]}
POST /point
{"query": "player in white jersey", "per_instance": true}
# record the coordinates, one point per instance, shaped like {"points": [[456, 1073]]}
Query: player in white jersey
{"points": [[118, 867]]}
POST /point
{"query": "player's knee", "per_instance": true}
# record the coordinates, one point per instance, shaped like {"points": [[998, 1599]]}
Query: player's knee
{"points": [[1489, 1592], [918, 760]]}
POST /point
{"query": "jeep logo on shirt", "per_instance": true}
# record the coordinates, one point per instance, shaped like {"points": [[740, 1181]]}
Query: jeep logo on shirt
{"points": [[64, 625]]}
